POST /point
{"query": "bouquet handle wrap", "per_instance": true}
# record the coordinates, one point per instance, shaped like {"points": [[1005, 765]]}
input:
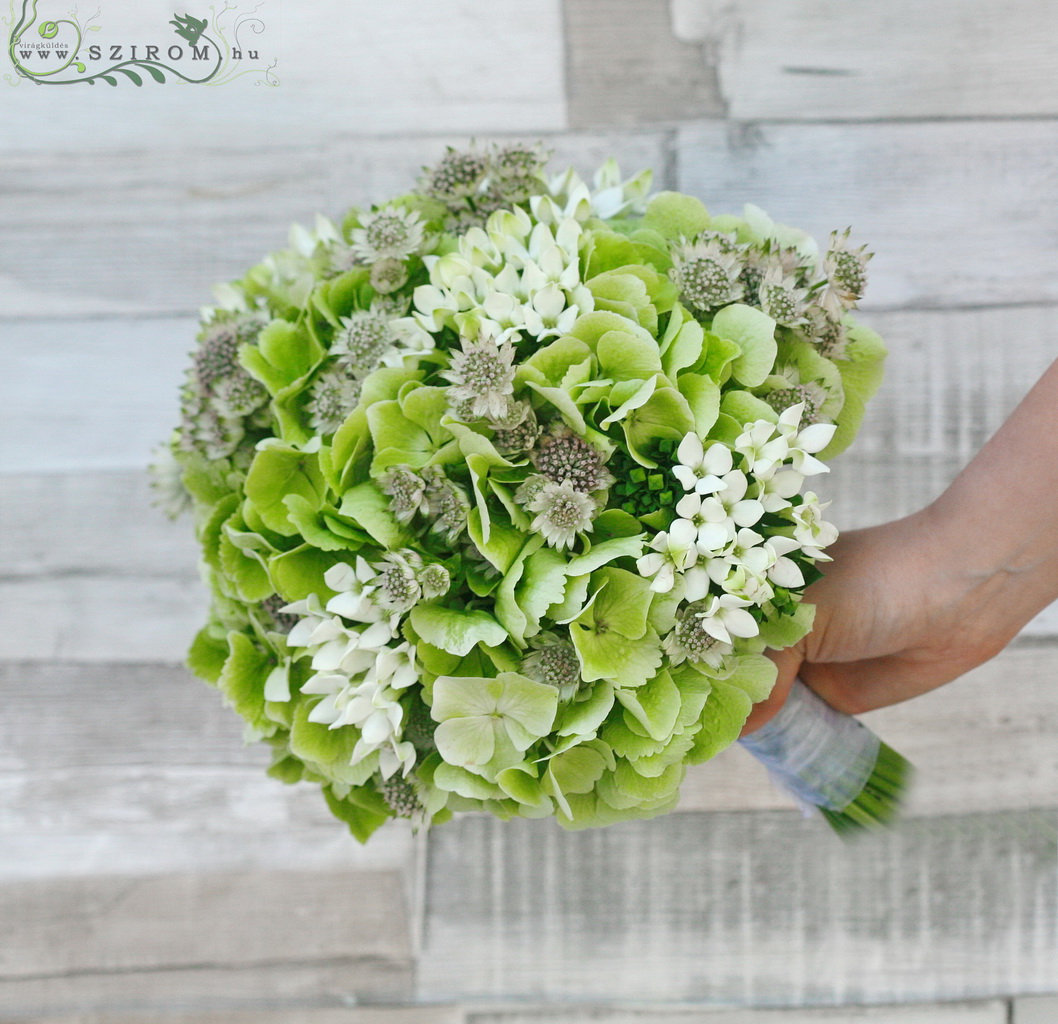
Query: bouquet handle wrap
{"points": [[830, 761]]}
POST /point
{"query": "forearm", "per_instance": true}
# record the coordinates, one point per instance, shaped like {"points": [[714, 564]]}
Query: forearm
{"points": [[996, 526]]}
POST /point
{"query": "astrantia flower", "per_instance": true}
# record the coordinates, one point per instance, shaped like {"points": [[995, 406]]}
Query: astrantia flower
{"points": [[362, 342], [809, 394], [563, 513], [448, 504], [390, 233], [517, 431], [690, 641], [552, 659], [402, 796], [457, 176], [333, 396], [707, 275], [398, 587], [516, 170], [563, 456], [388, 274], [406, 491], [779, 296], [482, 373], [434, 579], [846, 271], [699, 469]]}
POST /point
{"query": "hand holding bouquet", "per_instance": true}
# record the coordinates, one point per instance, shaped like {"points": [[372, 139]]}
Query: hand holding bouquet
{"points": [[502, 490]]}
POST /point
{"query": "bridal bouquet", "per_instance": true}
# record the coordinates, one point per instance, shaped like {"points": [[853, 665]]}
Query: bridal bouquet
{"points": [[501, 492]]}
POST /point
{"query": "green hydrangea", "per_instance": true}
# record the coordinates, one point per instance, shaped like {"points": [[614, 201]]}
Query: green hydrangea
{"points": [[499, 487]]}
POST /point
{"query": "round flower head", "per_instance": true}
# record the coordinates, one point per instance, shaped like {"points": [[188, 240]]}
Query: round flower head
{"points": [[517, 170], [401, 796], [810, 394], [482, 373], [846, 271], [388, 274], [448, 505], [434, 580], [565, 457], [552, 660], [406, 491], [456, 177], [362, 342], [707, 275], [390, 233], [517, 431], [398, 586], [334, 395], [563, 513], [779, 297], [689, 640]]}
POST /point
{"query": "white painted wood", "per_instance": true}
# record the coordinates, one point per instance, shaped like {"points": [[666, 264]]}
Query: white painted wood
{"points": [[810, 59], [102, 618], [983, 743], [752, 910], [359, 1015], [990, 1012], [247, 919], [339, 981], [1035, 1010], [958, 212], [151, 228], [343, 65]]}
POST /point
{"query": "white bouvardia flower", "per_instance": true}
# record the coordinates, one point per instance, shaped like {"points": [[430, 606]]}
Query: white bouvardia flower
{"points": [[674, 550], [700, 469], [726, 617]]}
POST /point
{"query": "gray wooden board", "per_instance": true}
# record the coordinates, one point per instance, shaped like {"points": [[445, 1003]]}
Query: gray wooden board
{"points": [[988, 741], [958, 212], [59, 927], [201, 989], [624, 68], [359, 1015], [758, 909], [1035, 1010], [805, 59], [391, 69], [151, 230], [990, 1012]]}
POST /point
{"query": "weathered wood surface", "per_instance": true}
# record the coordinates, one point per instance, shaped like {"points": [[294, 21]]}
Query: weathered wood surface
{"points": [[990, 1012], [151, 230], [394, 69], [958, 212], [247, 924], [810, 59], [120, 751], [751, 909], [348, 1015], [1035, 1010]]}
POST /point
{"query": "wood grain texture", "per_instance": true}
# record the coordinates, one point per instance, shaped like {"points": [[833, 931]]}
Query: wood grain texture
{"points": [[957, 211], [983, 743], [151, 231], [990, 1012], [360, 1015], [394, 69], [201, 989], [756, 909], [60, 927], [1035, 1010], [625, 68], [809, 59]]}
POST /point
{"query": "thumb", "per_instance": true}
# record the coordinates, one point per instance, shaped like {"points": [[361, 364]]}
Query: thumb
{"points": [[788, 662]]}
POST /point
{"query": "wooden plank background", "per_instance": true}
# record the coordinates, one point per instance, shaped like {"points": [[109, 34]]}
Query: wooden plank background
{"points": [[147, 865]]}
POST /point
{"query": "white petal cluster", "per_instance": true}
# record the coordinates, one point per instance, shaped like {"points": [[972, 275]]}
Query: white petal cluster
{"points": [[510, 276], [716, 552], [360, 663]]}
